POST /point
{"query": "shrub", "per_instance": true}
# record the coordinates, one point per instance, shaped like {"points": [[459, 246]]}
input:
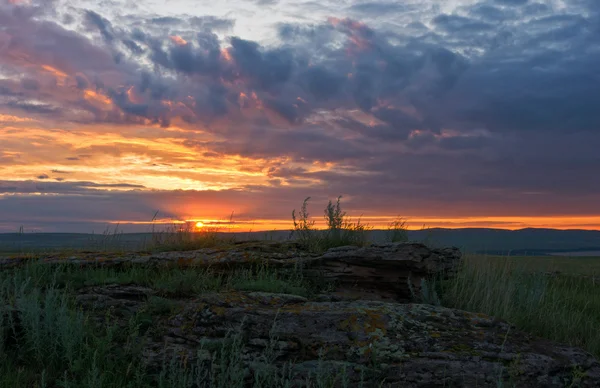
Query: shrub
{"points": [[397, 230]]}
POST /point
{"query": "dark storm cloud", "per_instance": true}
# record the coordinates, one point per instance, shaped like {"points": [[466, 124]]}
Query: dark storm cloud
{"points": [[465, 142], [491, 13], [322, 83], [535, 9], [511, 2], [30, 84], [82, 83], [460, 24], [265, 68], [7, 91], [403, 109], [379, 70], [167, 20], [103, 25], [187, 59], [384, 132], [132, 46]]}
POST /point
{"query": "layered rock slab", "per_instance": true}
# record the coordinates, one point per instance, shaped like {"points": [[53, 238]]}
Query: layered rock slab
{"points": [[393, 271], [403, 345]]}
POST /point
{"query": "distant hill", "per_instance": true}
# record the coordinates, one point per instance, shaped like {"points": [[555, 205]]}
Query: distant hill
{"points": [[480, 240], [516, 242]]}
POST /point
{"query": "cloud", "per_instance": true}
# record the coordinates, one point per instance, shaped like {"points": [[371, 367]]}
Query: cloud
{"points": [[480, 99], [379, 8], [102, 24], [490, 13], [512, 2], [460, 24]]}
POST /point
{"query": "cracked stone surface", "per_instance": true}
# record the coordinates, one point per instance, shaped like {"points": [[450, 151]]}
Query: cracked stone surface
{"points": [[405, 345]]}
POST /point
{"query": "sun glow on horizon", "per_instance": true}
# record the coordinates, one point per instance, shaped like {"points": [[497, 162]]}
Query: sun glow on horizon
{"points": [[199, 224]]}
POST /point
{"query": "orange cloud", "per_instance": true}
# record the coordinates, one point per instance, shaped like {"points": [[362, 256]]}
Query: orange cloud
{"points": [[61, 77], [178, 40], [14, 119], [131, 156], [226, 55], [93, 96]]}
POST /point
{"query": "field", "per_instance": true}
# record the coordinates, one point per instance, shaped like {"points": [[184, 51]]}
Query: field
{"points": [[566, 265], [554, 297]]}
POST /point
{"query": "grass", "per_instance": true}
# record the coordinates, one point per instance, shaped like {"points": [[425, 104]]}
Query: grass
{"points": [[48, 341], [575, 265], [45, 340], [340, 229], [185, 237], [563, 307]]}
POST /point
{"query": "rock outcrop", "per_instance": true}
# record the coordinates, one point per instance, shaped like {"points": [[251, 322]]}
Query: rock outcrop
{"points": [[368, 330], [391, 271], [402, 345]]}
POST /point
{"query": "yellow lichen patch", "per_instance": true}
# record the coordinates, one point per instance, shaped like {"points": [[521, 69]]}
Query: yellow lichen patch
{"points": [[462, 348], [350, 324], [435, 334], [184, 261], [235, 298], [298, 308], [375, 323]]}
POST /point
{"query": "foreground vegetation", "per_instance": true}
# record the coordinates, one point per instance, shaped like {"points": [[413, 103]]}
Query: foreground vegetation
{"points": [[46, 340], [562, 306]]}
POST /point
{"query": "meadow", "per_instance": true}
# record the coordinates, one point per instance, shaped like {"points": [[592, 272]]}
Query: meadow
{"points": [[58, 344], [553, 297]]}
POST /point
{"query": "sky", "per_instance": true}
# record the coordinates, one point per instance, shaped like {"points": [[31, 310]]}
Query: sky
{"points": [[458, 113]]}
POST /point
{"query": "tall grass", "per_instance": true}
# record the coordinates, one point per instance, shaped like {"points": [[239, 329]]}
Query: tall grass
{"points": [[47, 341], [562, 308], [340, 229], [397, 230], [185, 237]]}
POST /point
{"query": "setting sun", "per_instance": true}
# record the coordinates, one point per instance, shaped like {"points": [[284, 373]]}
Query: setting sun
{"points": [[199, 224]]}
